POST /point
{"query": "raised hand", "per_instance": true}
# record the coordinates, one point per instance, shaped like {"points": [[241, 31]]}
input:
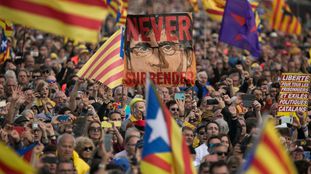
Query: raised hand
{"points": [[181, 106], [256, 105], [22, 98], [49, 129], [16, 93]]}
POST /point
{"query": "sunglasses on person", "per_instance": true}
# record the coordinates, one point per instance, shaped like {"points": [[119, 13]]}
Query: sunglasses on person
{"points": [[221, 153], [88, 149], [95, 129], [35, 77], [51, 81]]}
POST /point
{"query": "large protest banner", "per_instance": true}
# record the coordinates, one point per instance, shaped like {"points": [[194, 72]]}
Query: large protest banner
{"points": [[293, 94], [162, 46]]}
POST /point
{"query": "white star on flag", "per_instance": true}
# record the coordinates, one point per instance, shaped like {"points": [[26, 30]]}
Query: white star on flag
{"points": [[159, 129], [3, 45]]}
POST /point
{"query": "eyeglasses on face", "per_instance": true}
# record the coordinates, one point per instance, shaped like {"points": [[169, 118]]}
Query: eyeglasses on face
{"points": [[145, 49]]}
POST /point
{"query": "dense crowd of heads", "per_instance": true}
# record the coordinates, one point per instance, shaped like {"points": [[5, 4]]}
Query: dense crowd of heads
{"points": [[81, 126]]}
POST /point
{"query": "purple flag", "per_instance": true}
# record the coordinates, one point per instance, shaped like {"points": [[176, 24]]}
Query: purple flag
{"points": [[238, 26]]}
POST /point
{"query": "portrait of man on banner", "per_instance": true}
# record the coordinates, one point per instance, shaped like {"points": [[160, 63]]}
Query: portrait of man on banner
{"points": [[160, 45]]}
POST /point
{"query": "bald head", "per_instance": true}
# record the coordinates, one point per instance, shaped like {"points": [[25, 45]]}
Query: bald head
{"points": [[65, 145], [64, 137]]}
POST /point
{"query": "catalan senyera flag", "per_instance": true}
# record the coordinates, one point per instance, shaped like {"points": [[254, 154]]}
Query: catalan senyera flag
{"points": [[268, 156], [11, 163], [282, 18], [77, 19], [106, 65], [215, 8], [165, 150]]}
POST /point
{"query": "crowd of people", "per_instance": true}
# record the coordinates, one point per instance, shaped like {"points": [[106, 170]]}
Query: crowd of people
{"points": [[81, 126]]}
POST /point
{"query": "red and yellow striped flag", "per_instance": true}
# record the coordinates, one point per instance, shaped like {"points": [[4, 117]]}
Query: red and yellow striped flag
{"points": [[77, 19], [269, 156], [11, 163], [106, 65], [118, 9], [282, 18], [215, 8], [113, 6]]}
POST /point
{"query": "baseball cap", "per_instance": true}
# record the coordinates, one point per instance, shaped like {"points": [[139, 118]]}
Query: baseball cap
{"points": [[135, 100]]}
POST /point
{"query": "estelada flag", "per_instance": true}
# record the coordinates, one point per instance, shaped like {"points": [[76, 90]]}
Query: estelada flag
{"points": [[27, 152], [268, 156], [4, 48], [165, 150], [11, 163]]}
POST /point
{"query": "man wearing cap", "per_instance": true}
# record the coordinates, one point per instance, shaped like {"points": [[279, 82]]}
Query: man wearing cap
{"points": [[83, 55], [138, 108]]}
